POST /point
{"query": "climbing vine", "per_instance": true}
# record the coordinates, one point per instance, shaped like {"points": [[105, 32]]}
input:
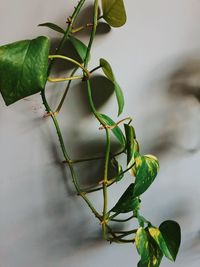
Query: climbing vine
{"points": [[25, 69]]}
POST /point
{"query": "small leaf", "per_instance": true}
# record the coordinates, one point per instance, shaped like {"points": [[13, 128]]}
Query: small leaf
{"points": [[157, 236], [114, 12], [116, 131], [132, 146], [107, 69], [146, 171], [127, 202], [142, 245], [109, 74], [118, 168], [23, 68], [52, 26], [79, 46], [171, 233]]}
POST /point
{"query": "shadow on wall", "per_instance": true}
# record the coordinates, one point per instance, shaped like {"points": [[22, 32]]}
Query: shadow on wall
{"points": [[174, 106]]}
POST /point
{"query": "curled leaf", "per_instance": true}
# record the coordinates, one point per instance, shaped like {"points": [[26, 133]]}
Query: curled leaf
{"points": [[118, 91], [52, 26]]}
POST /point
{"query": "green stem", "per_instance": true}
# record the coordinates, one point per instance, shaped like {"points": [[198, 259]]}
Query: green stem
{"points": [[93, 70], [68, 30], [123, 220], [67, 158], [57, 80], [73, 61], [65, 93], [105, 182], [82, 194], [48, 109], [93, 33]]}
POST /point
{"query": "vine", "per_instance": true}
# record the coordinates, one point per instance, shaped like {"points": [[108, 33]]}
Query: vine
{"points": [[25, 69]]}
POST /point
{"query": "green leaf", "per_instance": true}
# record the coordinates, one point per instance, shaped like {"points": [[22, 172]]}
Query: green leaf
{"points": [[171, 233], [127, 202], [132, 146], [79, 46], [116, 131], [118, 168], [52, 26], [156, 254], [157, 236], [109, 74], [146, 170], [23, 68], [142, 244], [114, 12], [147, 248]]}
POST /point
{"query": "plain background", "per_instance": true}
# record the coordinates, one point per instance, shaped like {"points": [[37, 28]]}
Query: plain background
{"points": [[156, 59]]}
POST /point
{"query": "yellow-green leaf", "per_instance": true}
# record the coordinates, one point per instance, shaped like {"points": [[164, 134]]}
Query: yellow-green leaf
{"points": [[157, 236], [146, 170], [114, 12], [142, 244], [150, 253]]}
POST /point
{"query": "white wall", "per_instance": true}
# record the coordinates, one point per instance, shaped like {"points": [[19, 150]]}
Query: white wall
{"points": [[156, 58]]}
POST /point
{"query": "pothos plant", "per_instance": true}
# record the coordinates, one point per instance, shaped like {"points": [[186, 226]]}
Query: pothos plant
{"points": [[25, 69]]}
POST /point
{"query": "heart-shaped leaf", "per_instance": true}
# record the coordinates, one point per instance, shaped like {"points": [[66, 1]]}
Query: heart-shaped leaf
{"points": [[116, 130], [114, 12], [109, 74], [127, 202], [146, 170], [52, 26], [79, 46], [171, 234], [23, 68]]}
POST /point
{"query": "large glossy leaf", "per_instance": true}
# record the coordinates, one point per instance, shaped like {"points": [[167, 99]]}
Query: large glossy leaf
{"points": [[79, 46], [116, 130], [109, 74], [114, 12], [142, 245], [52, 26], [23, 68], [146, 170], [132, 146], [171, 233], [127, 202]]}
